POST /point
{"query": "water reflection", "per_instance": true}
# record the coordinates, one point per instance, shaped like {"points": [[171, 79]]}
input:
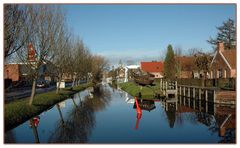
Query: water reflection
{"points": [[78, 126], [109, 118], [142, 104], [218, 118], [33, 123]]}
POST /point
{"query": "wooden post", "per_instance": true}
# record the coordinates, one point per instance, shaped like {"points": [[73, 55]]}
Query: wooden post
{"points": [[206, 107], [184, 91], [206, 95], [161, 84], [189, 92], [176, 87], [166, 85], [180, 90], [214, 96], [194, 94], [199, 93]]}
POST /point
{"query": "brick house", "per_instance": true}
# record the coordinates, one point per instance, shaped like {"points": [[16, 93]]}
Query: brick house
{"points": [[155, 68], [223, 64], [19, 72], [12, 71]]}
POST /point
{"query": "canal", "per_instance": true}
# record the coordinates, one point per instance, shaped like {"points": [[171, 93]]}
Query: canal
{"points": [[111, 117]]}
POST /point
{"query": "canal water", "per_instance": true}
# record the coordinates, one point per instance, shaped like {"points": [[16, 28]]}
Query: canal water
{"points": [[112, 116]]}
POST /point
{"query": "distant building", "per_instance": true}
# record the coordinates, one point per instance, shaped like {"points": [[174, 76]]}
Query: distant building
{"points": [[223, 64], [121, 72], [20, 72], [155, 68]]}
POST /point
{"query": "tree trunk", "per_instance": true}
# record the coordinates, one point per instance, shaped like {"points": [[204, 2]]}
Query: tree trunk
{"points": [[73, 81], [58, 85], [33, 91]]}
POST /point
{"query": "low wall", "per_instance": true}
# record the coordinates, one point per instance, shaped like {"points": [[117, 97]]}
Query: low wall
{"points": [[224, 83]]}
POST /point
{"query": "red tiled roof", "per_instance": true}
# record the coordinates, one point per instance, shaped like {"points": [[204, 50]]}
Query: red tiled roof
{"points": [[152, 66], [230, 56]]}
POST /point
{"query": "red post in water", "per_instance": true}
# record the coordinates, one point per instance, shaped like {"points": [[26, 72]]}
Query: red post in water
{"points": [[139, 112]]}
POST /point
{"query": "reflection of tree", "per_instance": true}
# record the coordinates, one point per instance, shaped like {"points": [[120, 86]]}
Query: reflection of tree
{"points": [[77, 127], [101, 99], [171, 115], [81, 120], [60, 113]]}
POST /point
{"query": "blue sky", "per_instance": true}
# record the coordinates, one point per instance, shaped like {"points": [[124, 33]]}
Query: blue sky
{"points": [[143, 32]]}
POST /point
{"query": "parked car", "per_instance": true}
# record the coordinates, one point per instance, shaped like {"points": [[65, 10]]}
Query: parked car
{"points": [[42, 84]]}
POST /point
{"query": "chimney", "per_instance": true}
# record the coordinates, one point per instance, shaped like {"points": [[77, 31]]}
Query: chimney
{"points": [[220, 46]]}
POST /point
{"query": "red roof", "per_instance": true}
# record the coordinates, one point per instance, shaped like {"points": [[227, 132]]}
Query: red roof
{"points": [[152, 66]]}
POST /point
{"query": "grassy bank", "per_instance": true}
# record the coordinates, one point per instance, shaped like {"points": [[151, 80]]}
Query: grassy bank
{"points": [[19, 111], [148, 92]]}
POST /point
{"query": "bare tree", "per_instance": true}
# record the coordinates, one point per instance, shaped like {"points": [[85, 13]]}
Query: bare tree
{"points": [[15, 36], [99, 64], [194, 51], [45, 21], [62, 54], [202, 63]]}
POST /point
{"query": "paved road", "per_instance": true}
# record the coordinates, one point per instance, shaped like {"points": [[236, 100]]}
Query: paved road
{"points": [[25, 93], [19, 94]]}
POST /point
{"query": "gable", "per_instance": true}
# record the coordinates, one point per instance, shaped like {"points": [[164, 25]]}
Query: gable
{"points": [[228, 56], [219, 61]]}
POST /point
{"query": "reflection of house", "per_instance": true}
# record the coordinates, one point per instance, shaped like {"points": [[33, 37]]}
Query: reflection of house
{"points": [[223, 64], [155, 68], [145, 105]]}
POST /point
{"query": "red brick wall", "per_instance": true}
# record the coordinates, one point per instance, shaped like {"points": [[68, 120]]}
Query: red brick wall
{"points": [[11, 71], [219, 63]]}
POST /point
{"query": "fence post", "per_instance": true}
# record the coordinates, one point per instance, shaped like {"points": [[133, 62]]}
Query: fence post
{"points": [[189, 92], [180, 90], [206, 95], [194, 94], [199, 93], [214, 96], [184, 91]]}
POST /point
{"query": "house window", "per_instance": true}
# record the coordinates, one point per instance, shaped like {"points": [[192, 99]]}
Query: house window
{"points": [[220, 73]]}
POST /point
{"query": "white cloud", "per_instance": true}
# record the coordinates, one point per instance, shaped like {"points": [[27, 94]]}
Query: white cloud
{"points": [[134, 55]]}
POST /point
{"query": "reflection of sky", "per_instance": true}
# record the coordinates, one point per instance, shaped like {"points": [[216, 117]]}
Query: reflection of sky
{"points": [[116, 124]]}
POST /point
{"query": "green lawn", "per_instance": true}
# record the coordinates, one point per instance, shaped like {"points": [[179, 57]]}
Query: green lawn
{"points": [[148, 92], [19, 111]]}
